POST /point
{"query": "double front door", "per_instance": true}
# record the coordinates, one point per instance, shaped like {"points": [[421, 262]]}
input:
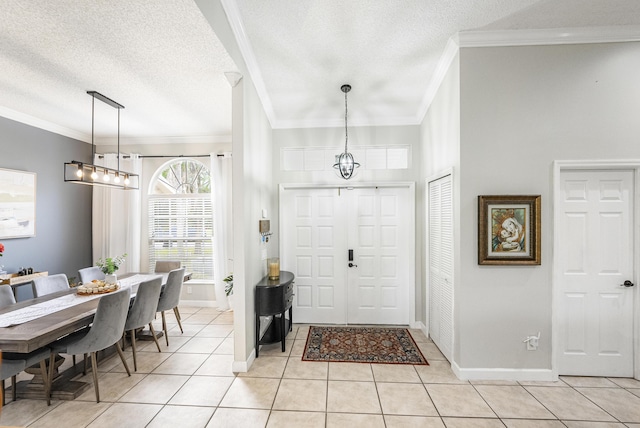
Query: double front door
{"points": [[352, 252]]}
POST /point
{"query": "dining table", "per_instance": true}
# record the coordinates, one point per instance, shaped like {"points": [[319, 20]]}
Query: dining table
{"points": [[34, 323]]}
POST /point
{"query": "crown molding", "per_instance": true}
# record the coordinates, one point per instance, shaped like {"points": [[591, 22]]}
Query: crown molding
{"points": [[202, 139], [43, 124], [237, 27], [339, 123], [551, 36]]}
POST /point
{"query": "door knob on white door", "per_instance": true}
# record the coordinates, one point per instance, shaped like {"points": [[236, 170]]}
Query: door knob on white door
{"points": [[352, 265], [627, 283]]}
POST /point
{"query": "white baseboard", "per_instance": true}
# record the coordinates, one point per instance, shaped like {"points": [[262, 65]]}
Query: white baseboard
{"points": [[243, 366], [417, 324], [199, 303], [545, 375]]}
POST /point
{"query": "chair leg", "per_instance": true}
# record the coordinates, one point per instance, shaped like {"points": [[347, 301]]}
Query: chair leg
{"points": [[133, 347], [14, 392], [45, 381], [124, 362], [94, 370], [84, 367], [164, 327], [153, 334], [52, 361], [3, 401], [73, 358], [175, 310]]}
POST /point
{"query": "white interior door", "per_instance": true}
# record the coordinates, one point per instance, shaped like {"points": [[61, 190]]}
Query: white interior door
{"points": [[378, 282], [314, 241], [440, 263], [595, 232], [319, 225]]}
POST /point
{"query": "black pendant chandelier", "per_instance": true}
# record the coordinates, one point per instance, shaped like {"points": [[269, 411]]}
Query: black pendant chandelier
{"points": [[95, 175], [345, 164]]}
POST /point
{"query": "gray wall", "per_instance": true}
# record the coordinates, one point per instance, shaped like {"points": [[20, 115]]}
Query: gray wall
{"points": [[63, 210], [521, 109]]}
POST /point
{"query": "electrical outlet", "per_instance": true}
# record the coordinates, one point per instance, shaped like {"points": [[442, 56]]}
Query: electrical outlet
{"points": [[189, 290]]}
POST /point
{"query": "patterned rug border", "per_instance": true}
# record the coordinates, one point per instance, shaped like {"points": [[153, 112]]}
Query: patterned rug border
{"points": [[332, 358]]}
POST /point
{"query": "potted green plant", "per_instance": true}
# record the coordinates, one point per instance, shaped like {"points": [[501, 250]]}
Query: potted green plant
{"points": [[109, 266], [228, 289]]}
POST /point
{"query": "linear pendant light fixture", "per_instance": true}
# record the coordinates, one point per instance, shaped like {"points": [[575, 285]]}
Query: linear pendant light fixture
{"points": [[95, 175], [345, 164]]}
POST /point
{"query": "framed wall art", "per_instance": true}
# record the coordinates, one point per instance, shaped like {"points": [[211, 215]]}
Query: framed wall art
{"points": [[509, 230], [17, 204]]}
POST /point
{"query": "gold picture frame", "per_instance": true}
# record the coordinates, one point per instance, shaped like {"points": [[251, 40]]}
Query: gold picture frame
{"points": [[509, 230]]}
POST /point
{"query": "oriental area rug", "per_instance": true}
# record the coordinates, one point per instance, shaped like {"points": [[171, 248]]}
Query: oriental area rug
{"points": [[362, 345]]}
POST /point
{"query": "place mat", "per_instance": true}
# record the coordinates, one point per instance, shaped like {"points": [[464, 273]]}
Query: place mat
{"points": [[362, 345]]}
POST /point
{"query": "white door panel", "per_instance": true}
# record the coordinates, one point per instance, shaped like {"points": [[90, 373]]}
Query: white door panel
{"points": [[596, 257]]}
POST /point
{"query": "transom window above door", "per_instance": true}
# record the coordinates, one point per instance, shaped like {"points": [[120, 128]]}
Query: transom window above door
{"points": [[181, 217]]}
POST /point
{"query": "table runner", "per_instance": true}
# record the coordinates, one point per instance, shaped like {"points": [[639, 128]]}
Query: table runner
{"points": [[38, 310]]}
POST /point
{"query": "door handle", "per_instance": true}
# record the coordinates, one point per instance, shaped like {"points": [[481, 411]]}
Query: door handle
{"points": [[627, 283], [352, 265]]}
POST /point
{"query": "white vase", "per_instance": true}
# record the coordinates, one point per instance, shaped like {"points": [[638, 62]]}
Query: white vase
{"points": [[230, 301], [111, 278]]}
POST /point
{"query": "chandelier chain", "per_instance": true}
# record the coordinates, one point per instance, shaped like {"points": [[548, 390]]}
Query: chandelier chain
{"points": [[346, 130]]}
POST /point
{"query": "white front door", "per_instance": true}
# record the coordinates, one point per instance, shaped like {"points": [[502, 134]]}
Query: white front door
{"points": [[318, 227], [595, 232]]}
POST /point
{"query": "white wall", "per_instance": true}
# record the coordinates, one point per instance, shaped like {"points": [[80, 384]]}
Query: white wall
{"points": [[521, 109]]}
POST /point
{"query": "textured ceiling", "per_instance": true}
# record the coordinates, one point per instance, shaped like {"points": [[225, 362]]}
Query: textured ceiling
{"points": [[163, 62]]}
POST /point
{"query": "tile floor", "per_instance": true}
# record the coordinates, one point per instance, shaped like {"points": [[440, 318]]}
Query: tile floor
{"points": [[190, 384]]}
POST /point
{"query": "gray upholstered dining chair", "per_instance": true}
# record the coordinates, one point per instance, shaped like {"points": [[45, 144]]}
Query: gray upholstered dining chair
{"points": [[44, 285], [89, 274], [143, 311], [14, 363], [106, 330], [170, 298], [166, 266], [6, 296]]}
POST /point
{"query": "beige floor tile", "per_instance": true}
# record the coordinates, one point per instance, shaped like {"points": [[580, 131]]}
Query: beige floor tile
{"points": [[126, 415], [353, 397], [625, 382], [275, 349], [494, 382], [418, 336], [301, 394], [216, 365], [226, 347], [298, 369], [182, 364], [266, 367], [621, 404], [182, 416], [297, 350], [472, 423], [405, 399], [188, 330], [202, 391], [342, 420], [23, 412], [513, 402], [395, 373], [635, 392], [112, 386], [587, 382], [147, 362], [239, 418], [199, 318], [459, 401], [214, 330], [155, 389], [302, 333], [201, 345], [73, 413], [393, 421], [223, 319], [430, 351], [438, 372], [567, 403], [351, 371], [175, 342], [531, 423], [281, 419], [586, 424], [251, 393], [551, 384]]}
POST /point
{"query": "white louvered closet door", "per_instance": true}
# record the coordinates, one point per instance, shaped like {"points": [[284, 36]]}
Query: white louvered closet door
{"points": [[440, 264]]}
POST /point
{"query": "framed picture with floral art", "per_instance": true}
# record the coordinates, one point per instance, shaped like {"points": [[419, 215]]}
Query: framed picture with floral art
{"points": [[509, 230]]}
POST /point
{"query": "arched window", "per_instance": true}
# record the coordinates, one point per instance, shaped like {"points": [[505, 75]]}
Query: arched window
{"points": [[181, 217]]}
